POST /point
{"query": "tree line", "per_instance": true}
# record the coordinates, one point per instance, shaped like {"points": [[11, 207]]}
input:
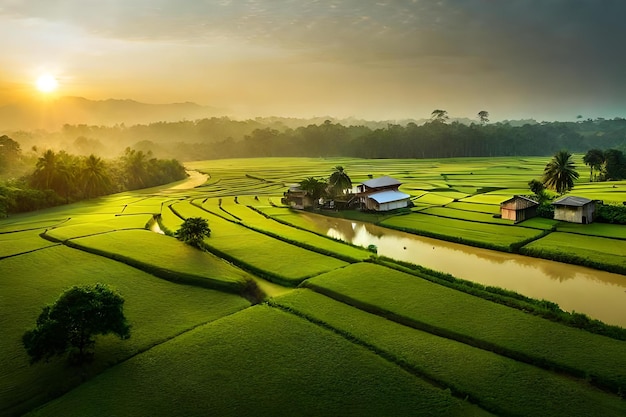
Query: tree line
{"points": [[438, 137], [61, 177]]}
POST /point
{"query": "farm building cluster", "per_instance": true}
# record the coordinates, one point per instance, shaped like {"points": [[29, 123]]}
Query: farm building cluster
{"points": [[382, 194], [569, 209], [377, 194]]}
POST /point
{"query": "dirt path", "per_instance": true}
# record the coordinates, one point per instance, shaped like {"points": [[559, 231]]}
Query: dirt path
{"points": [[195, 179]]}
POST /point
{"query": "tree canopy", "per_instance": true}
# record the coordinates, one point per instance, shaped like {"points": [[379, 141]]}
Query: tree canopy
{"points": [[560, 173], [71, 323], [339, 181], [193, 231]]}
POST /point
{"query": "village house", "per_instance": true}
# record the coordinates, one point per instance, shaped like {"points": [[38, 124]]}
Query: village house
{"points": [[297, 198], [381, 194], [518, 208], [574, 209]]}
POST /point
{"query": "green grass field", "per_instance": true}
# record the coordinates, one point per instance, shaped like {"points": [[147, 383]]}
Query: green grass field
{"points": [[246, 365], [357, 339], [469, 232], [496, 383], [474, 321], [156, 309], [600, 252]]}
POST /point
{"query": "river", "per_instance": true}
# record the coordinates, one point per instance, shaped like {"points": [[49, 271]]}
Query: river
{"points": [[601, 295]]}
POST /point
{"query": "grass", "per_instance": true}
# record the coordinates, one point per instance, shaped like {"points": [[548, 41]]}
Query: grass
{"points": [[593, 251], [472, 216], [156, 309], [614, 231], [263, 361], [15, 243], [259, 362], [481, 323], [499, 237], [263, 255], [295, 236], [165, 257], [496, 383]]}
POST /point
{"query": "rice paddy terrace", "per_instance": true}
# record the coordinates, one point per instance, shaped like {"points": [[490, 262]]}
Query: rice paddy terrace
{"points": [[340, 331]]}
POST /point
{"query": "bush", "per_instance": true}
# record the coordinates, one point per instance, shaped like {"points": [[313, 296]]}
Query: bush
{"points": [[610, 213]]}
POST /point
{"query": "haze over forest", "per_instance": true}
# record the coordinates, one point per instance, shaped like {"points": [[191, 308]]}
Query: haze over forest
{"points": [[361, 59]]}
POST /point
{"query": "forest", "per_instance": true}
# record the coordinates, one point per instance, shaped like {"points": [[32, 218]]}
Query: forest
{"points": [[437, 137]]}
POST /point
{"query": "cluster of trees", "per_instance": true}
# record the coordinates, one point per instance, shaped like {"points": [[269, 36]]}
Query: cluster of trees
{"points": [[60, 177], [336, 185], [609, 165], [436, 137]]}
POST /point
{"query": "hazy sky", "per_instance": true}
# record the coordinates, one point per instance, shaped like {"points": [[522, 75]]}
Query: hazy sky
{"points": [[546, 59]]}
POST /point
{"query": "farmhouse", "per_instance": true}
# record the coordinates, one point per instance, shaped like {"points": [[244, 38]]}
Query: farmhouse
{"points": [[381, 194], [574, 209], [297, 198], [518, 208]]}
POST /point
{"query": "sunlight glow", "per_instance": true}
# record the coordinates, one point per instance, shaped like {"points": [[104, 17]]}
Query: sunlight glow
{"points": [[47, 83]]}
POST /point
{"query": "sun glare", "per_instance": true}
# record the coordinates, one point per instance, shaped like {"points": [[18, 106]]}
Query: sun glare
{"points": [[46, 83]]}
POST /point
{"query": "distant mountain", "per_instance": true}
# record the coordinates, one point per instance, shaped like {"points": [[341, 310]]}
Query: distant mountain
{"points": [[52, 115]]}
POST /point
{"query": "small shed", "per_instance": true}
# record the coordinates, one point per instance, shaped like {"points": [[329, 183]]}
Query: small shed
{"points": [[518, 208], [297, 198], [574, 209], [387, 200]]}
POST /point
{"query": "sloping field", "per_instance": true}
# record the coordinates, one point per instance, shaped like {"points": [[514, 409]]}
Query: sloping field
{"points": [[475, 321], [468, 232], [311, 241], [20, 242], [156, 309], [266, 256], [496, 383], [165, 257], [245, 365]]}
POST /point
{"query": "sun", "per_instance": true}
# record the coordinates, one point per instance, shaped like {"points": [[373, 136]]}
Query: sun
{"points": [[46, 83]]}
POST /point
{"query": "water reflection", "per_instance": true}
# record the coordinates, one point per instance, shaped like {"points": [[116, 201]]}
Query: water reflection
{"points": [[601, 295]]}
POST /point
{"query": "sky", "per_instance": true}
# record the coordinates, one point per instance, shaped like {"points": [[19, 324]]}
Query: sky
{"points": [[380, 60]]}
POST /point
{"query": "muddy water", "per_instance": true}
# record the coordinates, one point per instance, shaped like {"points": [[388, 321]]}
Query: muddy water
{"points": [[600, 295]]}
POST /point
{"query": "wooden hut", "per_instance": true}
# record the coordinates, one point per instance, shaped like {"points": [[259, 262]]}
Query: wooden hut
{"points": [[574, 209], [297, 198], [518, 208], [381, 194]]}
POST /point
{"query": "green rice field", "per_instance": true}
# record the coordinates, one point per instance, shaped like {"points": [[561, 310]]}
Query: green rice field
{"points": [[329, 331]]}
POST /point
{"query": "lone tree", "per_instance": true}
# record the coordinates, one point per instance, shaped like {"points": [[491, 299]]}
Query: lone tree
{"points": [[339, 181], [71, 323], [193, 231], [560, 173]]}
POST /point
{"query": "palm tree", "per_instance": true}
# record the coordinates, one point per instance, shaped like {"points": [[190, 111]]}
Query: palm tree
{"points": [[94, 177], [560, 173], [439, 116], [339, 181], [316, 188], [594, 158], [45, 170]]}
